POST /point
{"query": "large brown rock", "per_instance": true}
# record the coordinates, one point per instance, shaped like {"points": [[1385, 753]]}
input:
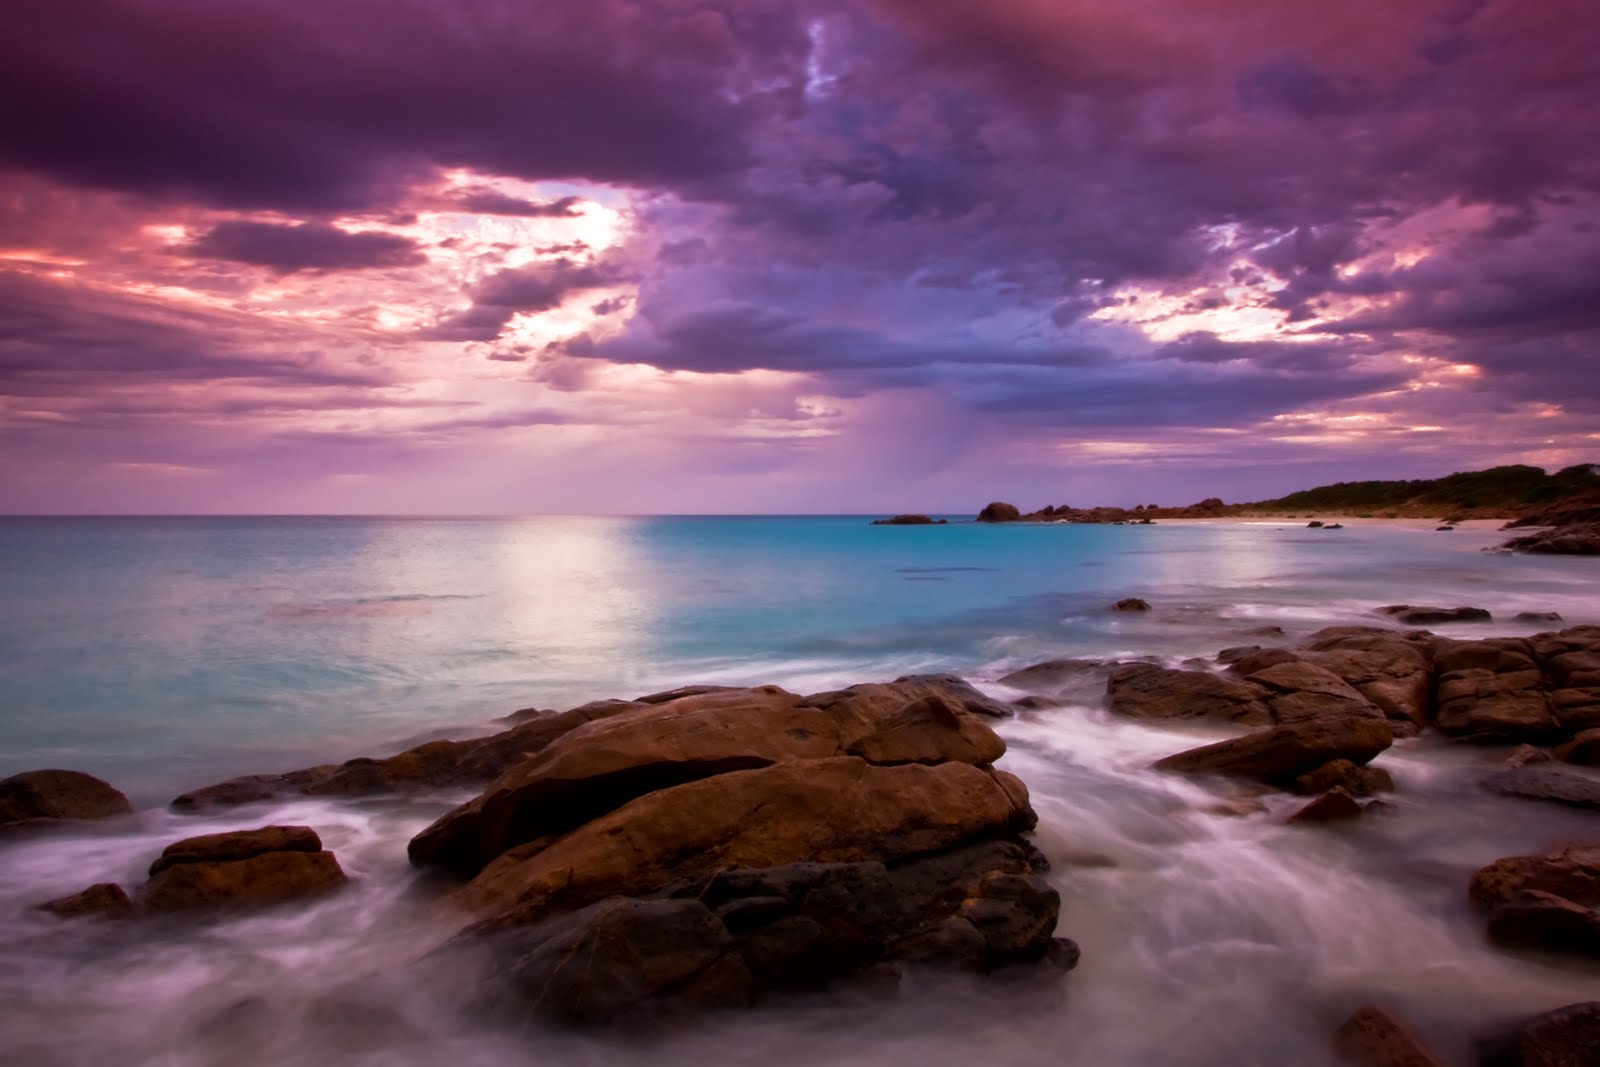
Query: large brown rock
{"points": [[1282, 754], [1584, 748], [1547, 901], [833, 810], [1374, 1038], [1493, 691], [237, 845], [265, 879], [1145, 691], [1342, 774], [1577, 539], [603, 765], [1300, 690], [1390, 670], [56, 794]]}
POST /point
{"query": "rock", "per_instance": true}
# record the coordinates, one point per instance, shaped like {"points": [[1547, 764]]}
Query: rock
{"points": [[951, 686], [1412, 615], [1577, 539], [636, 961], [1334, 805], [107, 900], [1299, 691], [999, 511], [1566, 1037], [1282, 754], [1545, 921], [265, 879], [237, 845], [1260, 660], [55, 795], [434, 765], [1443, 529], [1239, 652], [1374, 1038], [1391, 671], [1131, 603], [1582, 749], [1314, 524], [1145, 691], [1538, 616], [603, 765], [1334, 526], [1573, 873], [1492, 692], [1342, 774], [905, 520], [1547, 781], [838, 810], [1051, 674], [1527, 754]]}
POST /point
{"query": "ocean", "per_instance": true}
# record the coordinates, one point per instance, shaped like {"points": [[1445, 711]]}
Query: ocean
{"points": [[165, 654]]}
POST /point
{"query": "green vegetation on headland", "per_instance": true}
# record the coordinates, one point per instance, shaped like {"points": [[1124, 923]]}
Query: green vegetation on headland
{"points": [[1515, 492]]}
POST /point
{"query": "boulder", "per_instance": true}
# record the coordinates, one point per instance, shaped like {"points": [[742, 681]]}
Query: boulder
{"points": [[1547, 781], [603, 765], [246, 868], [33, 796], [666, 696], [1391, 671], [999, 511], [1566, 1037], [1492, 692], [1282, 754], [1584, 748], [838, 810], [1572, 872], [237, 845], [1145, 691], [1374, 1038], [1299, 691], [1538, 616], [1333, 806], [905, 520], [637, 961], [106, 900], [1131, 603], [1342, 774], [1413, 615], [718, 940], [913, 686]]}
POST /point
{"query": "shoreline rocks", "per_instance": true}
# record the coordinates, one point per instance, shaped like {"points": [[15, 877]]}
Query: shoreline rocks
{"points": [[36, 799]]}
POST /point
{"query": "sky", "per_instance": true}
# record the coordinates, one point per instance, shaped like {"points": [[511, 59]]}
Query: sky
{"points": [[673, 256]]}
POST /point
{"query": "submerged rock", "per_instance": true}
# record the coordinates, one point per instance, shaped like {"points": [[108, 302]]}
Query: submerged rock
{"points": [[1280, 755], [105, 900], [1356, 780], [1414, 615], [1374, 1038], [1547, 781], [1566, 1037], [1584, 748], [908, 520], [1131, 603], [1333, 806], [40, 798]]}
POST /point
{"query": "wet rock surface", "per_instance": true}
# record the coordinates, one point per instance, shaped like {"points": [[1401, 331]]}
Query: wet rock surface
{"points": [[104, 900], [1545, 901], [715, 846], [1566, 1037], [249, 868], [1373, 1037]]}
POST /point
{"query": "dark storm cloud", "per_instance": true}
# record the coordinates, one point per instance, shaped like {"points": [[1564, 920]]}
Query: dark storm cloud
{"points": [[304, 246], [266, 103], [539, 286], [59, 340]]}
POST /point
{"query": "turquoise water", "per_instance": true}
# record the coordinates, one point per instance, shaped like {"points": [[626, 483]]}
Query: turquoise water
{"points": [[169, 653], [162, 650]]}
